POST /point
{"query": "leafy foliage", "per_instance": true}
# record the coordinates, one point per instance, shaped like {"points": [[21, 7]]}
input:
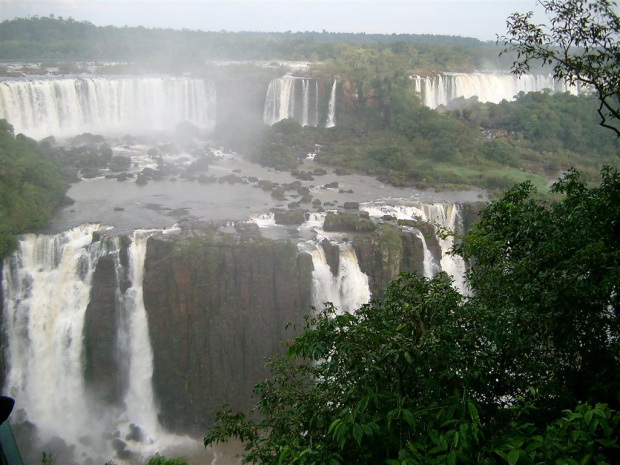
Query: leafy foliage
{"points": [[161, 460], [523, 370], [30, 186], [580, 43]]}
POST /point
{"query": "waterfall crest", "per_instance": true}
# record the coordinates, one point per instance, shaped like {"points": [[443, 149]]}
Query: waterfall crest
{"points": [[68, 106], [488, 87], [292, 97]]}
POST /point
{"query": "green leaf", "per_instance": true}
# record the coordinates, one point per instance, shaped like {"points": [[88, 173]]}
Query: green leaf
{"points": [[473, 411], [357, 434], [513, 457]]}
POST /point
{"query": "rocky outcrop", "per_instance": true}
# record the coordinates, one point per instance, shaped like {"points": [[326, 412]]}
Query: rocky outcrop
{"points": [[217, 308], [391, 250], [3, 344], [379, 256], [103, 370]]}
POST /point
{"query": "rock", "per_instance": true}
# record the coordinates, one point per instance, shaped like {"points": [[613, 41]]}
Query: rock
{"points": [[347, 222], [202, 164], [332, 255], [87, 139], [66, 201], [331, 185], [216, 309], [141, 180], [289, 217], [351, 206], [119, 209], [232, 179], [204, 179], [293, 186], [135, 433], [278, 193], [90, 173], [102, 372], [247, 228]]}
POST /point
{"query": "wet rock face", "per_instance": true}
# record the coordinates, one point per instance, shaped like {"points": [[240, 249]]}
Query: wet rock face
{"points": [[216, 310], [3, 344], [103, 372]]}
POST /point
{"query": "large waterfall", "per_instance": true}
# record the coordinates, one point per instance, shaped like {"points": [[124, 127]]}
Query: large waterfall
{"points": [[47, 288], [70, 106], [488, 87], [292, 97]]}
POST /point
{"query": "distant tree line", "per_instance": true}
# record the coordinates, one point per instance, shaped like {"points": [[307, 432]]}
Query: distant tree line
{"points": [[51, 38]]}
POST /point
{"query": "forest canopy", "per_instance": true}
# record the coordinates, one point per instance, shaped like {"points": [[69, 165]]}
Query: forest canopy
{"points": [[30, 186]]}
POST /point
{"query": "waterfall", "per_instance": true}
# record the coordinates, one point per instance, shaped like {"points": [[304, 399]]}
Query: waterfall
{"points": [[447, 216], [442, 215], [348, 289], [68, 106], [331, 108], [47, 286], [430, 266], [488, 87], [281, 101], [306, 101]]}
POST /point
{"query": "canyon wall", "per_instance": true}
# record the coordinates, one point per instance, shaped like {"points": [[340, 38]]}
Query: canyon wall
{"points": [[216, 310]]}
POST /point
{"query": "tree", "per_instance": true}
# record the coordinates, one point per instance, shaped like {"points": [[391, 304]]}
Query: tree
{"points": [[581, 45], [30, 186], [517, 371]]}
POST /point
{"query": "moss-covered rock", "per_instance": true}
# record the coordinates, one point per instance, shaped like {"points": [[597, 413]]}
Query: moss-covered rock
{"points": [[347, 222]]}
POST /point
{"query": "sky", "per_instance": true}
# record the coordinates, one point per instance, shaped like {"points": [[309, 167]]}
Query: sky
{"points": [[481, 19]]}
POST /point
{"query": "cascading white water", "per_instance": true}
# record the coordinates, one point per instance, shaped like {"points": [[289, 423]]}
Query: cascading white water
{"points": [[447, 216], [69, 106], [348, 289], [430, 266], [280, 101], [314, 121], [488, 87], [331, 108], [47, 285], [443, 215], [305, 86]]}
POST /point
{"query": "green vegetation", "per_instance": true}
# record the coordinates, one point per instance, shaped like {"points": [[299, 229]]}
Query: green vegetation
{"points": [[161, 460], [347, 222], [51, 38], [524, 370], [404, 143], [30, 186], [581, 45]]}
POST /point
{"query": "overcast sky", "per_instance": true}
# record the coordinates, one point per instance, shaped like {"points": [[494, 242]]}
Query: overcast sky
{"points": [[472, 18]]}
